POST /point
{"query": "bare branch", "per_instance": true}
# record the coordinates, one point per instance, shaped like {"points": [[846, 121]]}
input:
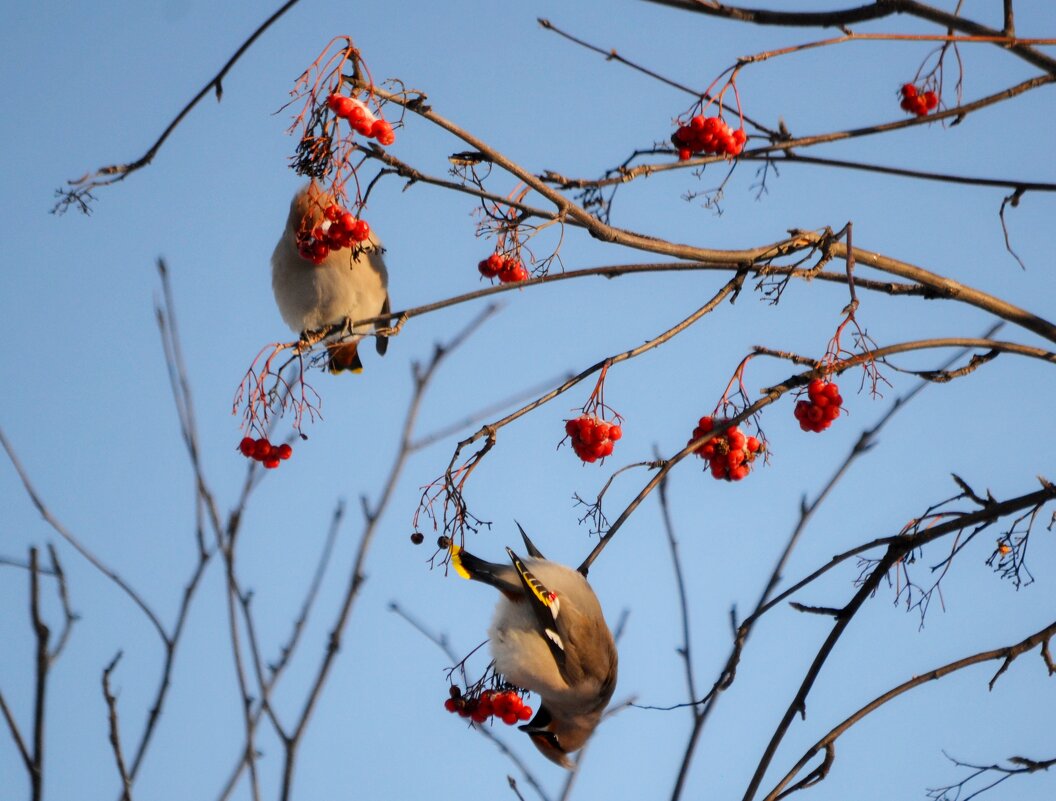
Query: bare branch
{"points": [[441, 641], [356, 577], [63, 532], [80, 193], [43, 662], [863, 13], [1007, 653], [115, 732], [69, 616]]}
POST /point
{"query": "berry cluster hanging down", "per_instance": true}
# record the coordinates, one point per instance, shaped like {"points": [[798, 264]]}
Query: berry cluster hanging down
{"points": [[506, 705], [730, 455], [263, 451], [506, 268], [592, 437], [361, 118], [710, 136], [823, 407], [917, 102], [339, 230]]}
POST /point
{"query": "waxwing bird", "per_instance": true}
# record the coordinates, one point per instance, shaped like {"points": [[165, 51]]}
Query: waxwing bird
{"points": [[549, 636], [331, 286]]}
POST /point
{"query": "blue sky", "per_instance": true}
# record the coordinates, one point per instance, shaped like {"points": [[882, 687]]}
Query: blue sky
{"points": [[88, 408]]}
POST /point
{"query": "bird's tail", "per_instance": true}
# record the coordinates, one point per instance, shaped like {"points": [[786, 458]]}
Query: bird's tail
{"points": [[502, 577], [344, 356]]}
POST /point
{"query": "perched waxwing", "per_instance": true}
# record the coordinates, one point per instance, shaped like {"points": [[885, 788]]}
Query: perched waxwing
{"points": [[331, 286], [549, 636]]}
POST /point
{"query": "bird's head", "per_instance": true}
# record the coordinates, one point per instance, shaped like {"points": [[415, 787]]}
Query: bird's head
{"points": [[556, 736]]}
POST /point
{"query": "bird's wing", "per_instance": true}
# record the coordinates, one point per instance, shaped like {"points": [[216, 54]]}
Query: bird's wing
{"points": [[547, 608]]}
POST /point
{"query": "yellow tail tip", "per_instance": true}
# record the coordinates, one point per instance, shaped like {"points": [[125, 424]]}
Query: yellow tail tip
{"points": [[456, 562]]}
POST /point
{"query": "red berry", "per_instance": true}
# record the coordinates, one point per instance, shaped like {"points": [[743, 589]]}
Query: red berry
{"points": [[515, 275], [285, 451], [615, 432], [271, 464], [319, 251], [706, 424], [739, 472], [361, 231], [450, 705], [909, 90], [486, 269], [510, 718], [340, 104], [685, 154], [382, 131], [753, 445], [718, 470], [247, 446], [525, 713], [931, 100], [261, 449]]}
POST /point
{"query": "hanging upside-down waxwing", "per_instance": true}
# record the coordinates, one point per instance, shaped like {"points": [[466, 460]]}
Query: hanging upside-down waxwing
{"points": [[323, 275], [549, 636]]}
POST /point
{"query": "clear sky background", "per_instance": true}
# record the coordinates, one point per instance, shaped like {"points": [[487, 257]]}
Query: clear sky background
{"points": [[88, 409]]}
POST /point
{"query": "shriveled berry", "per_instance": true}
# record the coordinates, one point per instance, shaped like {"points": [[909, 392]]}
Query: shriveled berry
{"points": [[417, 537]]}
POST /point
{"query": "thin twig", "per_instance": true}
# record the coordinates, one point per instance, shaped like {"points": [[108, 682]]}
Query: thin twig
{"points": [[1007, 653], [69, 616], [43, 662], [441, 641], [63, 532], [115, 732], [81, 192], [357, 577]]}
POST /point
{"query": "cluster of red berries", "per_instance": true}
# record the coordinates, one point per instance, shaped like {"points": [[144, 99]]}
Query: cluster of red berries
{"points": [[823, 407], [263, 451], [339, 230], [592, 437], [731, 453], [708, 135], [506, 268], [506, 705], [361, 118], [917, 102]]}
